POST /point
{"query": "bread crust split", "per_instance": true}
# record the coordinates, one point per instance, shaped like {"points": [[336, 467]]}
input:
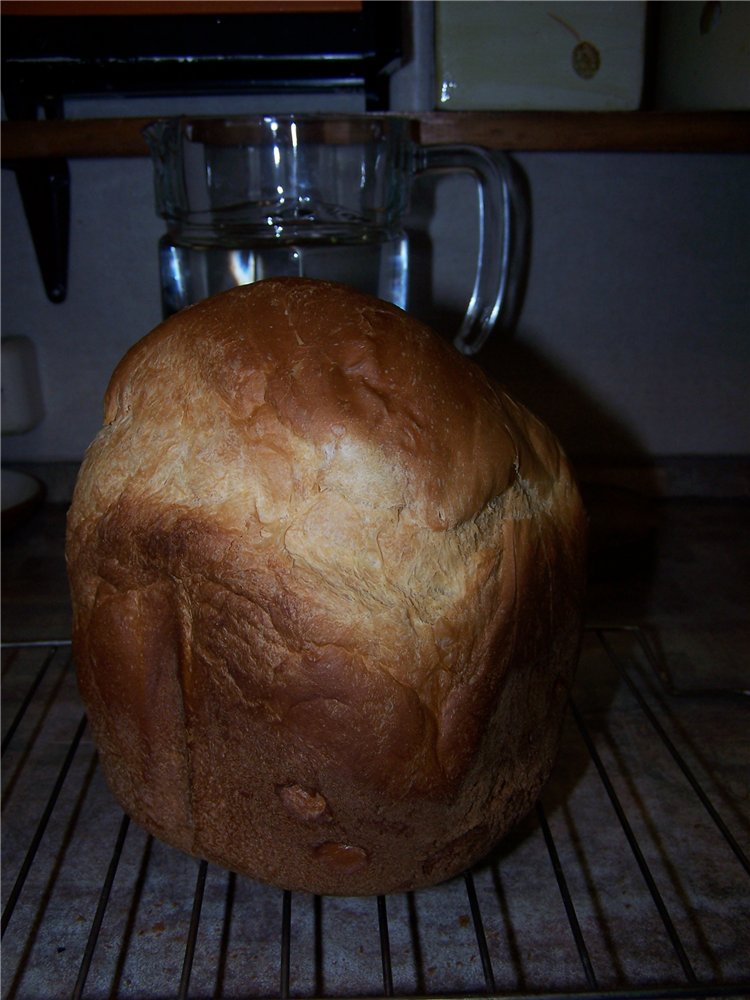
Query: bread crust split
{"points": [[327, 584]]}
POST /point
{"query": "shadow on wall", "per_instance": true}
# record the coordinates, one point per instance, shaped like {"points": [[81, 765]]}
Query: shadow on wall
{"points": [[623, 519], [585, 425], [618, 477]]}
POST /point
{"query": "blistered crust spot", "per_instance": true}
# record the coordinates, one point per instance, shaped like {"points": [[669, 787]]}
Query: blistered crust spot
{"points": [[304, 804], [344, 859]]}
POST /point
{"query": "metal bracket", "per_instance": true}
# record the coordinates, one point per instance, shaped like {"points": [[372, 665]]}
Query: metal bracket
{"points": [[44, 186]]}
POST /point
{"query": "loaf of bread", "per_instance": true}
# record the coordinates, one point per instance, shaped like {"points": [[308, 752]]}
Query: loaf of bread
{"points": [[327, 587]]}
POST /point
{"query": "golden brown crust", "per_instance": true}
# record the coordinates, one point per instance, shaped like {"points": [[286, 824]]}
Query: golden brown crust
{"points": [[327, 590]]}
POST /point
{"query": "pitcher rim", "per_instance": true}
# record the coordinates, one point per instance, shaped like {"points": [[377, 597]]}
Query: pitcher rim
{"points": [[179, 125]]}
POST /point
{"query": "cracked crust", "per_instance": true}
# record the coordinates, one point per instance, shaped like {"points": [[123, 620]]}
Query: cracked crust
{"points": [[327, 587]]}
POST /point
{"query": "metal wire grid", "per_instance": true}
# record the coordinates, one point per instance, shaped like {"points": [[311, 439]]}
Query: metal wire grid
{"points": [[82, 885]]}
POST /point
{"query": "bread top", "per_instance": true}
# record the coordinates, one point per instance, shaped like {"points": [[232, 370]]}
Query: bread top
{"points": [[384, 410]]}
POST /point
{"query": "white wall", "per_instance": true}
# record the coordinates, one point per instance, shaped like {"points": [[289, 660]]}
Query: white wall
{"points": [[634, 333]]}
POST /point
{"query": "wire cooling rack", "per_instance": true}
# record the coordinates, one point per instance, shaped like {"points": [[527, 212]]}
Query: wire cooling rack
{"points": [[630, 878]]}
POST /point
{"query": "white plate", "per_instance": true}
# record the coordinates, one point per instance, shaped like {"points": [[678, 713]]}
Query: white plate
{"points": [[20, 492]]}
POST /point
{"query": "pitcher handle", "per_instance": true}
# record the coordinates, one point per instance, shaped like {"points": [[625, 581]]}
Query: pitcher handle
{"points": [[489, 296]]}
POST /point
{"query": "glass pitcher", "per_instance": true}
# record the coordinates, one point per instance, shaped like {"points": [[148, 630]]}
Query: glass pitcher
{"points": [[324, 196]]}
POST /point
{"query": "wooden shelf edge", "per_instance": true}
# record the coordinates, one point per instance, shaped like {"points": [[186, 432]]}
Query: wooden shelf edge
{"points": [[511, 131], [74, 138], [591, 131]]}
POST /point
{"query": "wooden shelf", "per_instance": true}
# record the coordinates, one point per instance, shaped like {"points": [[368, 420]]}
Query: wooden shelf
{"points": [[638, 131]]}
